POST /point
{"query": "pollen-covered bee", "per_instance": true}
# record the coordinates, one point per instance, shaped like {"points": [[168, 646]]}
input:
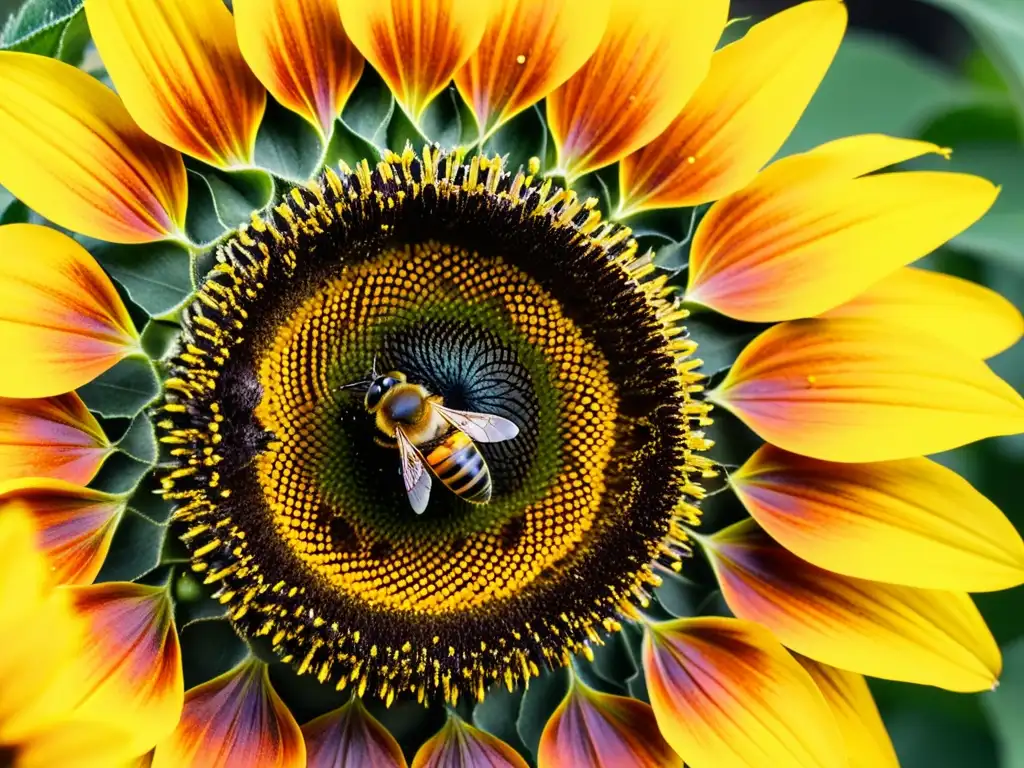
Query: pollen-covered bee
{"points": [[429, 434]]}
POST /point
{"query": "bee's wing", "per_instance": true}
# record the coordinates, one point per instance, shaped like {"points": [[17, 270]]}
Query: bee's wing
{"points": [[481, 427], [414, 473]]}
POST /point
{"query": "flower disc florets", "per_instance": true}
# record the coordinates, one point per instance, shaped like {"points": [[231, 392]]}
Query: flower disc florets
{"points": [[501, 295]]}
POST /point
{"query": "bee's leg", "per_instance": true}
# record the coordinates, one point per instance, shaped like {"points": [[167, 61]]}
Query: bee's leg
{"points": [[385, 443]]}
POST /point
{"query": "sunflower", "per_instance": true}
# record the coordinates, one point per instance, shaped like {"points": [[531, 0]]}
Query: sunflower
{"points": [[312, 236]]}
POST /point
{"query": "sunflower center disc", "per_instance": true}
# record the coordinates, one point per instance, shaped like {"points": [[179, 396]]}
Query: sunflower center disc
{"points": [[498, 295]]}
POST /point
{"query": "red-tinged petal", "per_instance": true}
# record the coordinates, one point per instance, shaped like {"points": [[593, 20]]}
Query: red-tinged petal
{"points": [[651, 59], [62, 322], [69, 150], [350, 736], [529, 48], [811, 232], [460, 745], [50, 437], [847, 694], [899, 633], [178, 68], [603, 731], [416, 47], [299, 51], [740, 115], [860, 390], [131, 662], [964, 314], [75, 524], [727, 695], [236, 720], [909, 521]]}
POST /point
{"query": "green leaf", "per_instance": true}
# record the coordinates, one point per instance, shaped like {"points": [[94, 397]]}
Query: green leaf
{"points": [[448, 120], [370, 107], [349, 147], [286, 144], [998, 25], [521, 138], [159, 338], [539, 702], [124, 390], [401, 132], [139, 441], [876, 85], [497, 715], [120, 473], [135, 549], [1005, 706], [55, 28], [220, 201], [155, 275]]}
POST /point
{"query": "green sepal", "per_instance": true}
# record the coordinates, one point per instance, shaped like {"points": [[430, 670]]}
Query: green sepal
{"points": [[124, 390], [523, 137], [193, 600], [147, 498], [678, 595], [497, 714], [633, 641], [159, 338], [408, 721], [539, 702], [287, 145], [120, 474], [305, 696], [15, 213], [448, 120], [369, 109], [220, 201], [139, 441], [155, 275], [613, 661], [348, 147], [403, 133], [134, 550], [54, 28]]}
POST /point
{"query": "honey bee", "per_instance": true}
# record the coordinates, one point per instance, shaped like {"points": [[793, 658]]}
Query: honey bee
{"points": [[430, 435]]}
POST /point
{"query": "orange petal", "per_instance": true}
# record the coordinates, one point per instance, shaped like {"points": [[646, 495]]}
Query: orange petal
{"points": [[593, 728], [62, 323], [529, 48], [740, 115], [299, 51], [50, 437], [847, 694], [910, 521], [75, 524], [131, 662], [416, 47], [651, 59], [964, 314], [69, 150], [460, 744], [40, 635], [350, 736], [178, 69], [899, 633], [727, 695], [233, 721], [808, 234], [858, 390]]}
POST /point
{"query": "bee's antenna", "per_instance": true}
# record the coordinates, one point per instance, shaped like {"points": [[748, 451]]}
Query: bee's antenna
{"points": [[373, 368], [355, 385]]}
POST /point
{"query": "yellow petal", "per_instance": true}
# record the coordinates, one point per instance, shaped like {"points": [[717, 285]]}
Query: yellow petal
{"points": [[847, 694], [299, 51], [593, 728], [740, 115], [812, 232], [858, 391], [62, 323], [69, 150], [350, 736], [131, 662], [40, 635], [910, 521], [651, 59], [898, 633], [178, 68], [529, 48], [460, 744], [964, 314], [75, 744], [727, 695], [415, 46], [75, 524], [236, 719], [50, 437]]}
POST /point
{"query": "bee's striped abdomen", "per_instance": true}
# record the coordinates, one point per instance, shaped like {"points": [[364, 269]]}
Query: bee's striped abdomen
{"points": [[458, 464]]}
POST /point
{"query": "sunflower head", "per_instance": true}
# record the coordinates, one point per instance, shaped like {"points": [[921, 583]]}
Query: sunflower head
{"points": [[381, 419]]}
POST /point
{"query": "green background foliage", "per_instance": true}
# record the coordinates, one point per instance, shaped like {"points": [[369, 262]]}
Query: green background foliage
{"points": [[966, 91]]}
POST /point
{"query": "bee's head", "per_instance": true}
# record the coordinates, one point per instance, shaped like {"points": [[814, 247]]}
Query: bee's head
{"points": [[379, 387]]}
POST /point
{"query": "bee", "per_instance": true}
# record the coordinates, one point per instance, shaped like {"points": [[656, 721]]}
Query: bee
{"points": [[431, 436]]}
